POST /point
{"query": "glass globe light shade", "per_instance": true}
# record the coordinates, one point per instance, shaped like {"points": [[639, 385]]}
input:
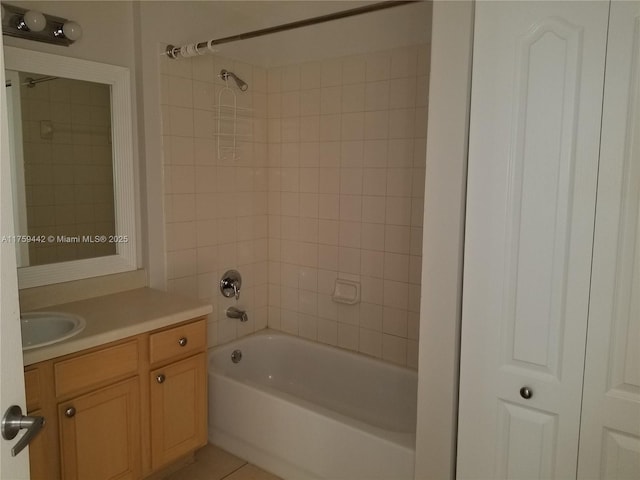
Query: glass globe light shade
{"points": [[34, 20], [72, 31]]}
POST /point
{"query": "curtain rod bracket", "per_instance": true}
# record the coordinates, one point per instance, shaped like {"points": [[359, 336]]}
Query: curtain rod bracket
{"points": [[172, 51]]}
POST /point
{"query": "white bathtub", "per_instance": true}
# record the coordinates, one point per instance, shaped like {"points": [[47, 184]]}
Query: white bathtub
{"points": [[308, 411]]}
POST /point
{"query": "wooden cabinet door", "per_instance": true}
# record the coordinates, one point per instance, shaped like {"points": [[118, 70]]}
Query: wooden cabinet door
{"points": [[178, 409], [100, 437], [534, 133], [42, 463]]}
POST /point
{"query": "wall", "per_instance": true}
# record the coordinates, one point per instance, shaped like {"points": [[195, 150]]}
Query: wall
{"points": [[375, 31], [347, 141], [338, 192], [215, 207], [449, 92], [159, 23], [101, 42]]}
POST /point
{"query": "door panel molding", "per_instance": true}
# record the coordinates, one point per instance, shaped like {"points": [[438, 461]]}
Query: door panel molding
{"points": [[541, 193]]}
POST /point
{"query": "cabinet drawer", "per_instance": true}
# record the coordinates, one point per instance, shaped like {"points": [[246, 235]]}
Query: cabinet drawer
{"points": [[33, 388], [80, 373], [178, 341]]}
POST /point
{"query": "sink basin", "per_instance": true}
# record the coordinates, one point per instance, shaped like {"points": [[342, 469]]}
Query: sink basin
{"points": [[45, 328]]}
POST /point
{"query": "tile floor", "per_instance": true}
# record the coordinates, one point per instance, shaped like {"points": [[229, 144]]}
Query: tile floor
{"points": [[213, 463]]}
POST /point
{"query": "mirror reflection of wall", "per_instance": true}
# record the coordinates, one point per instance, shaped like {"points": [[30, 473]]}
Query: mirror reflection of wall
{"points": [[68, 168]]}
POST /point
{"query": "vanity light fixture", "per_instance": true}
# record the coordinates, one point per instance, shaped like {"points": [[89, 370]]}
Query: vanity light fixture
{"points": [[34, 25], [32, 21]]}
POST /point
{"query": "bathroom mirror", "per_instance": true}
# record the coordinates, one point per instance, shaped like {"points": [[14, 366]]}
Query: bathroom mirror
{"points": [[72, 167]]}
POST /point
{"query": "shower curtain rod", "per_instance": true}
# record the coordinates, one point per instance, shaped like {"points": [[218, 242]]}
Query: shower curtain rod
{"points": [[32, 82], [193, 49]]}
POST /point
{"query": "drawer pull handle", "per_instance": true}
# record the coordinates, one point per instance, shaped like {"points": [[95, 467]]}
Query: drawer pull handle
{"points": [[183, 341], [160, 378], [70, 412]]}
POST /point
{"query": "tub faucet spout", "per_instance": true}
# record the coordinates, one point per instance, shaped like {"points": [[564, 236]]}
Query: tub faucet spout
{"points": [[233, 312]]}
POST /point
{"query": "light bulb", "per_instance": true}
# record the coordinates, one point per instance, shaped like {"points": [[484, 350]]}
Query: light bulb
{"points": [[34, 20], [72, 31]]}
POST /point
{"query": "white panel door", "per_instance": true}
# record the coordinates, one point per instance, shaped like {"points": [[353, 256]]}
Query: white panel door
{"points": [[11, 366], [536, 105], [610, 427]]}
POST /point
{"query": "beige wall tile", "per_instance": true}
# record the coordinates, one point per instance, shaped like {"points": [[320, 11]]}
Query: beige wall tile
{"points": [[354, 69], [378, 66], [348, 336], [404, 62], [353, 98], [327, 331], [310, 75], [310, 102], [394, 349], [370, 342], [374, 209], [291, 78], [377, 96], [331, 72]]}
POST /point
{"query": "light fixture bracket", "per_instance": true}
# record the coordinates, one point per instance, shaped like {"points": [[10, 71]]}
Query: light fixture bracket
{"points": [[13, 16]]}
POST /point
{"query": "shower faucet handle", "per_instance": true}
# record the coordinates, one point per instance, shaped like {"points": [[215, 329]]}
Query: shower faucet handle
{"points": [[230, 284]]}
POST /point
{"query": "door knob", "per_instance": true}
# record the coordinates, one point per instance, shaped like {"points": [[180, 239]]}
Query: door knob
{"points": [[70, 412], [13, 421], [526, 393], [182, 341], [160, 378]]}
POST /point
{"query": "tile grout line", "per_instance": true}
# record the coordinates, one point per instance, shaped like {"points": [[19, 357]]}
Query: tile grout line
{"points": [[234, 471]]}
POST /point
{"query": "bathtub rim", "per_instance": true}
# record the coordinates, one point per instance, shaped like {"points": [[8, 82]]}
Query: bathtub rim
{"points": [[270, 332]]}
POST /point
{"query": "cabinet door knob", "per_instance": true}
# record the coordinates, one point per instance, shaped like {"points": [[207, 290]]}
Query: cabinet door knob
{"points": [[183, 341], [526, 393], [160, 378], [70, 412]]}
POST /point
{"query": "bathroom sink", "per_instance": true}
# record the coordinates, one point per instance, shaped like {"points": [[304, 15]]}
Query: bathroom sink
{"points": [[45, 328]]}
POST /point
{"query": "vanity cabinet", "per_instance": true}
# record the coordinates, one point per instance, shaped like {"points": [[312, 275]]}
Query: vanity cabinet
{"points": [[39, 380], [177, 399], [98, 411], [100, 433], [121, 410], [177, 392]]}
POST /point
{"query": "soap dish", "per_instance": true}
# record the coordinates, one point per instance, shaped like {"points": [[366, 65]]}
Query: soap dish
{"points": [[346, 291]]}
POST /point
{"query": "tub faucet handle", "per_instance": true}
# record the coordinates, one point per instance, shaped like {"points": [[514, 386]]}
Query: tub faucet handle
{"points": [[233, 312], [230, 284]]}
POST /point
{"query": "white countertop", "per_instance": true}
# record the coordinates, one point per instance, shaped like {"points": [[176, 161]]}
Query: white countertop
{"points": [[118, 316]]}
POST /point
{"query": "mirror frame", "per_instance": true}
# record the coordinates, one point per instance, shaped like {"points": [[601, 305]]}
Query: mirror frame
{"points": [[125, 207]]}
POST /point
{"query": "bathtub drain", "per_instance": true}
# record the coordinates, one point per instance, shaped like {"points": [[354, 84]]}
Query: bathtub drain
{"points": [[236, 356]]}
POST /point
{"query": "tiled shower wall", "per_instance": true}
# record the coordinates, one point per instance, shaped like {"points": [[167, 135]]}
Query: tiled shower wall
{"points": [[329, 185], [347, 141], [215, 209]]}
